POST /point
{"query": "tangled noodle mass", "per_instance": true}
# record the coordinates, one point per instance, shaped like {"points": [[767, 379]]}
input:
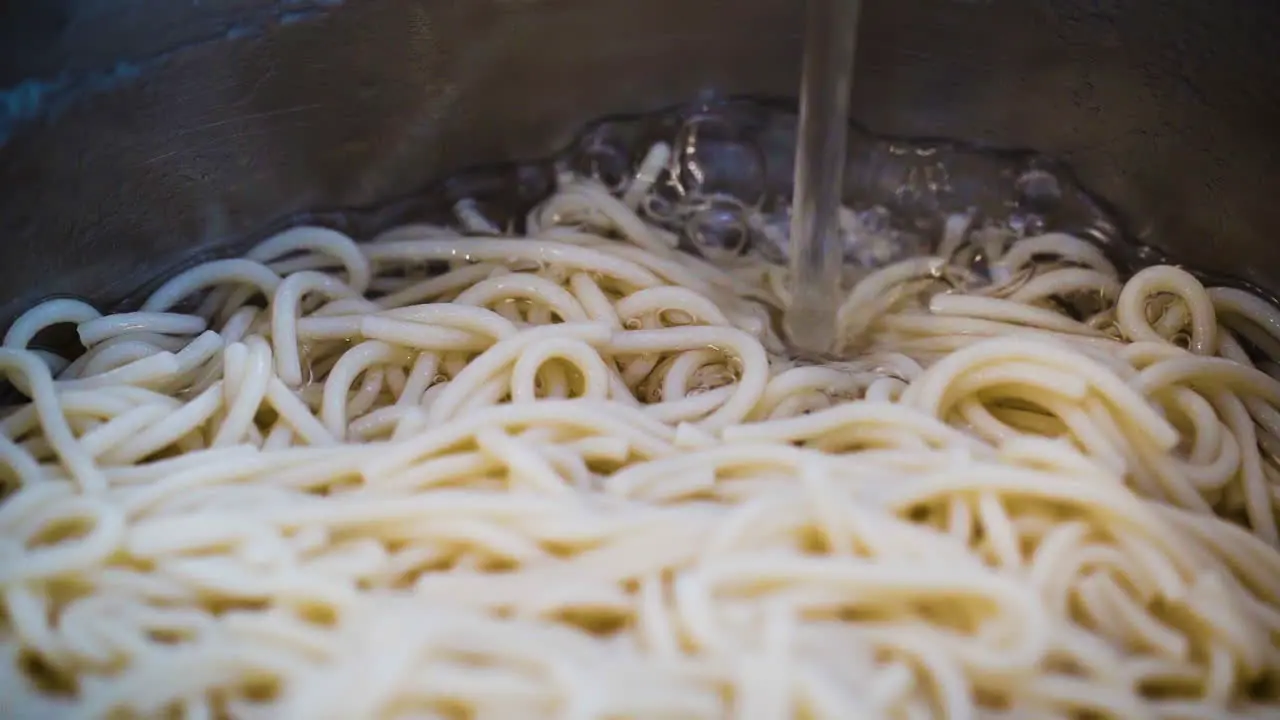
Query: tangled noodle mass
{"points": [[577, 475]]}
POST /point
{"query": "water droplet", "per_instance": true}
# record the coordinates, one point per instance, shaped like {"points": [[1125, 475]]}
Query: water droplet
{"points": [[1038, 189]]}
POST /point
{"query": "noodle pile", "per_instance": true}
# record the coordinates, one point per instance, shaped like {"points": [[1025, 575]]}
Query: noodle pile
{"points": [[577, 475]]}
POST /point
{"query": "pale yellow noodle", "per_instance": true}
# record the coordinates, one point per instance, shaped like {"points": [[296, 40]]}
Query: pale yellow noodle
{"points": [[577, 475]]}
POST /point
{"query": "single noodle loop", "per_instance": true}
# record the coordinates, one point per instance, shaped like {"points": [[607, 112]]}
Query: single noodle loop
{"points": [[576, 475]]}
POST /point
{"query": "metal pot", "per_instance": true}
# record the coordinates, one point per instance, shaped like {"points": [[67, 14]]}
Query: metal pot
{"points": [[136, 134]]}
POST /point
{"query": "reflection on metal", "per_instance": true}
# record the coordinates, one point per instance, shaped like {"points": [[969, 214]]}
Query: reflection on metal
{"points": [[235, 120]]}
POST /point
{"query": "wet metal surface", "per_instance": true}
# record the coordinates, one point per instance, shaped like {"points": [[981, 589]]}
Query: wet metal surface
{"points": [[138, 132]]}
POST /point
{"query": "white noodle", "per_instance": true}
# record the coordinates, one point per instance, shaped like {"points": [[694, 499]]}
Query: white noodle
{"points": [[577, 477]]}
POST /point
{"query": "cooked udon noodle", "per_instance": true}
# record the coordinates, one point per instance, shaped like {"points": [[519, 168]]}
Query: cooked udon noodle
{"points": [[576, 475]]}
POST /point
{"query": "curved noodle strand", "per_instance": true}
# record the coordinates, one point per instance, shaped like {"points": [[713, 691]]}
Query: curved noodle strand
{"points": [[577, 475]]}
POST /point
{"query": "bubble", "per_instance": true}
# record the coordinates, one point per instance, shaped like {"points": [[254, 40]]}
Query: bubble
{"points": [[719, 228], [659, 209], [604, 156], [1039, 189], [714, 156]]}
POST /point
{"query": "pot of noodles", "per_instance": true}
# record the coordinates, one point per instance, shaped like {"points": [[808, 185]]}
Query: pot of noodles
{"points": [[399, 359]]}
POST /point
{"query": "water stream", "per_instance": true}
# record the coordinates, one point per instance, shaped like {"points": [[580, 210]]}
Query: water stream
{"points": [[831, 33]]}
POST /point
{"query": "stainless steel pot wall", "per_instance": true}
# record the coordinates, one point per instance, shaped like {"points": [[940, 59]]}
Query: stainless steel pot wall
{"points": [[137, 132]]}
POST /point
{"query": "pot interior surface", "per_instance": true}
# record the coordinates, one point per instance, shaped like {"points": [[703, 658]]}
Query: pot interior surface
{"points": [[138, 135]]}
